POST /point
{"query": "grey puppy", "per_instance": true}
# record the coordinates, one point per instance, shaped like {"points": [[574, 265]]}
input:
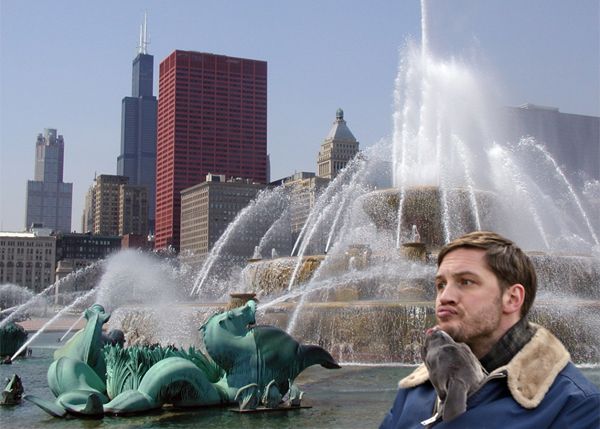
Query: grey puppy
{"points": [[453, 370]]}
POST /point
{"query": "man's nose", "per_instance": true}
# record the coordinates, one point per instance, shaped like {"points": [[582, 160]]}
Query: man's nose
{"points": [[448, 294]]}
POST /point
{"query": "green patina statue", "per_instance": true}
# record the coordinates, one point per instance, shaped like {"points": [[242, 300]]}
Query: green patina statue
{"points": [[77, 376], [254, 366], [12, 393], [260, 361], [12, 337]]}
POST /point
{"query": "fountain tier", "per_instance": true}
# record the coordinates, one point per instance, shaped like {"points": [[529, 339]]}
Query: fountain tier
{"points": [[365, 331], [427, 207]]}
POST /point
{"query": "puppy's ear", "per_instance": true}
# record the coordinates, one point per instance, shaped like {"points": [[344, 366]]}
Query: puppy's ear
{"points": [[456, 399]]}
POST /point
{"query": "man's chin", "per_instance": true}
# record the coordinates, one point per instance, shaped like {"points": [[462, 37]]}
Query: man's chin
{"points": [[452, 330]]}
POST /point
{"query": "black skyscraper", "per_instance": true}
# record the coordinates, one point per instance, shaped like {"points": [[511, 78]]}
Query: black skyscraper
{"points": [[137, 159]]}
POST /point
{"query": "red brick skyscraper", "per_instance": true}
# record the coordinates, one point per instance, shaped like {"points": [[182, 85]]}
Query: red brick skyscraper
{"points": [[212, 118]]}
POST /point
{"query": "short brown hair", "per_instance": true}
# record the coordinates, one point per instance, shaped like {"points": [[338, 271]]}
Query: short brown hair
{"points": [[505, 259]]}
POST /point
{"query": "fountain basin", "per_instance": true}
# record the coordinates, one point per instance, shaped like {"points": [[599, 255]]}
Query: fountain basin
{"points": [[268, 276], [423, 206], [367, 331]]}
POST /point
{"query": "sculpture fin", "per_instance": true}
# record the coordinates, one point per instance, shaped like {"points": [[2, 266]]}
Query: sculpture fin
{"points": [[93, 407], [314, 355], [50, 407], [131, 402]]}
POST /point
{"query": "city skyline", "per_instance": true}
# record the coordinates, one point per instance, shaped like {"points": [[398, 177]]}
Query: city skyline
{"points": [[72, 76]]}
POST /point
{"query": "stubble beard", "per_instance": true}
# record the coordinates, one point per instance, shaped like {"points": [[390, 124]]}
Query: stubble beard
{"points": [[477, 327]]}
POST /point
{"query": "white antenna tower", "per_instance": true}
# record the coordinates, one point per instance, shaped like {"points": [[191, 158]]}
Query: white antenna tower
{"points": [[143, 45]]}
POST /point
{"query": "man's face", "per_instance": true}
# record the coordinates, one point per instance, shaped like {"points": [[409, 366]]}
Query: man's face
{"points": [[469, 301]]}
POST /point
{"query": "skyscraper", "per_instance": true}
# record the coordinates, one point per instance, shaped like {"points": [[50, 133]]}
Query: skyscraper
{"points": [[49, 200], [137, 159], [212, 118]]}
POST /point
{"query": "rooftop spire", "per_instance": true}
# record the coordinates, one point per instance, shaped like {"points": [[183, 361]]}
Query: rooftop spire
{"points": [[143, 46], [340, 130]]}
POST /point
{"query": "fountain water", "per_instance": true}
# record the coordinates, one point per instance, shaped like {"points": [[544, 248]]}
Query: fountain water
{"points": [[562, 178], [154, 278], [70, 328], [11, 296], [80, 276], [79, 301], [259, 215], [278, 228]]}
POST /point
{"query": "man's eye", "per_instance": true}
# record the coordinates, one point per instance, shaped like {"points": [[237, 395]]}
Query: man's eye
{"points": [[466, 282], [440, 285]]}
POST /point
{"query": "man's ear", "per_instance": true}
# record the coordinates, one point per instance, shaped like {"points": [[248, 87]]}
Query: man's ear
{"points": [[513, 298]]}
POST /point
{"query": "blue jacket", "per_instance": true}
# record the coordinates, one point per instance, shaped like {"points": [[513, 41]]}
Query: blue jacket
{"points": [[539, 388]]}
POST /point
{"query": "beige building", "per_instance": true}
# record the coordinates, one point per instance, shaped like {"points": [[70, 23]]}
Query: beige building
{"points": [[208, 208], [304, 189], [112, 207], [133, 210], [87, 218], [338, 148], [106, 210], [28, 258]]}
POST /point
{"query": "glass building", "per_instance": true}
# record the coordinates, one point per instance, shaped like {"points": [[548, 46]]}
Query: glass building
{"points": [[137, 158]]}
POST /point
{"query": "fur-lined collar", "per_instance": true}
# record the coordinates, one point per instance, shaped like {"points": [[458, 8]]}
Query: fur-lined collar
{"points": [[529, 374]]}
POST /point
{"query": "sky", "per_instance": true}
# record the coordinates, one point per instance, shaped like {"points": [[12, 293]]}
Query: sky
{"points": [[66, 64]]}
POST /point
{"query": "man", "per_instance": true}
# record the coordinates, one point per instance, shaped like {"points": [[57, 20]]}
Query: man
{"points": [[485, 287]]}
